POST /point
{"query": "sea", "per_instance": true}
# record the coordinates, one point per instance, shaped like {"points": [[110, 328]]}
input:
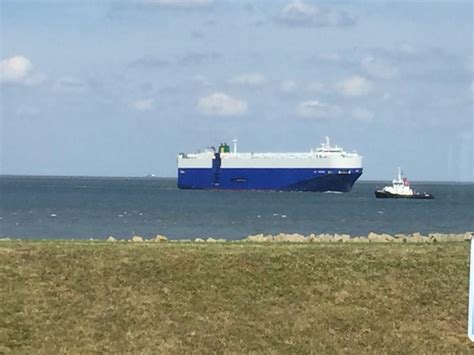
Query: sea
{"points": [[91, 207]]}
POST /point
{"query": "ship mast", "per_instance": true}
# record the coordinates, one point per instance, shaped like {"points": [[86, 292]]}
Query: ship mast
{"points": [[234, 141]]}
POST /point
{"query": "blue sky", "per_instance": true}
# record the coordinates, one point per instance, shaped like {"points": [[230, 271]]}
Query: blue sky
{"points": [[118, 88]]}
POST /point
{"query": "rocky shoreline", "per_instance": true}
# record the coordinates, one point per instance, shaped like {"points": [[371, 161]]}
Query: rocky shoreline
{"points": [[295, 238], [316, 238]]}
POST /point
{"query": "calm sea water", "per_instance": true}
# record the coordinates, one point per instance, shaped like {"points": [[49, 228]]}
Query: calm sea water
{"points": [[74, 207]]}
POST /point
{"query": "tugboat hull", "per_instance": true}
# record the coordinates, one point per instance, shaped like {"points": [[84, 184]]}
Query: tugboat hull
{"points": [[415, 196]]}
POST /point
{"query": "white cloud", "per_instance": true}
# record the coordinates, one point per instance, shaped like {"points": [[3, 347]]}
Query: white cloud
{"points": [[15, 69], [179, 3], [19, 70], [298, 13], [315, 109], [220, 104], [248, 79], [354, 86], [362, 114], [143, 104], [378, 69], [288, 86]]}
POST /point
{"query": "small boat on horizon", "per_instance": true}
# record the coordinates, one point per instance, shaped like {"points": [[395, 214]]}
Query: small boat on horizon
{"points": [[401, 189]]}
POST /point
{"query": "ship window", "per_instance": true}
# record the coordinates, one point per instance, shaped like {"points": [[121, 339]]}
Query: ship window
{"points": [[239, 179]]}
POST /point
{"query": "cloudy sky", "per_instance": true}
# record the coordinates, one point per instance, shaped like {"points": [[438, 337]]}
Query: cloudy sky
{"points": [[118, 88]]}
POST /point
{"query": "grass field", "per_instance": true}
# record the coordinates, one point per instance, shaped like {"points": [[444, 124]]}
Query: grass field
{"points": [[233, 297]]}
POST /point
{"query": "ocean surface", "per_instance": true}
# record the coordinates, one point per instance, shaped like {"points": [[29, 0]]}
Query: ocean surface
{"points": [[80, 207]]}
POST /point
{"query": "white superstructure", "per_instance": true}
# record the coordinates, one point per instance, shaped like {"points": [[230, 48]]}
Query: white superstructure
{"points": [[326, 156], [400, 186]]}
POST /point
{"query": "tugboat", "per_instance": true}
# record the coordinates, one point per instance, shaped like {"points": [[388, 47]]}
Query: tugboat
{"points": [[401, 189]]}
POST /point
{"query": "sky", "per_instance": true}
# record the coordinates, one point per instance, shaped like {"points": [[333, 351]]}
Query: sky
{"points": [[119, 88]]}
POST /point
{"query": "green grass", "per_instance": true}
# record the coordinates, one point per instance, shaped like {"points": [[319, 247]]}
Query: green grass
{"points": [[233, 297]]}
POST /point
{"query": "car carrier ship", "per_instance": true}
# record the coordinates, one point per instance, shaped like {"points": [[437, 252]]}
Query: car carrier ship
{"points": [[327, 168]]}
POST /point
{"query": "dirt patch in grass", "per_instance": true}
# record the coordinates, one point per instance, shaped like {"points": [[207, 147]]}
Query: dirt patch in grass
{"points": [[108, 297]]}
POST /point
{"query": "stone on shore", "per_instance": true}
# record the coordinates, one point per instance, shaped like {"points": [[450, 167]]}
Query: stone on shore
{"points": [[345, 238], [258, 238], [111, 239], [360, 240], [453, 237], [418, 238], [387, 237], [281, 237], [468, 235], [199, 240], [211, 240], [374, 237], [137, 239], [438, 237], [292, 238], [399, 238], [325, 237], [341, 238], [380, 238], [450, 237], [160, 238]]}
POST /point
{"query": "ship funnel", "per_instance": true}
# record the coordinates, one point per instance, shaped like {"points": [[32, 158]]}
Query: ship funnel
{"points": [[234, 141]]}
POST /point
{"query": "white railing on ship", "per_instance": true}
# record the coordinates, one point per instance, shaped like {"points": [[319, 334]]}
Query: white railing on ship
{"points": [[272, 155]]}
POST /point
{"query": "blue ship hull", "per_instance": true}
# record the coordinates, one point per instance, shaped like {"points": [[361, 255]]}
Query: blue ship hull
{"points": [[287, 179]]}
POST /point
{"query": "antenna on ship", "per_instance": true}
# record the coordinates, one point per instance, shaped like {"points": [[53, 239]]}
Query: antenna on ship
{"points": [[234, 141], [327, 142], [400, 173]]}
